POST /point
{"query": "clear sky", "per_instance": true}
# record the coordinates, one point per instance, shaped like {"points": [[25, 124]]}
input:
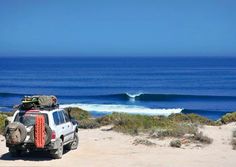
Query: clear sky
{"points": [[118, 27]]}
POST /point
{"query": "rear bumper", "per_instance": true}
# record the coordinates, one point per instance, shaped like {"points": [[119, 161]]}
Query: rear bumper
{"points": [[31, 146]]}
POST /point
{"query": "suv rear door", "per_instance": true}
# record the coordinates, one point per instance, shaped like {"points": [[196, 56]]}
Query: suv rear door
{"points": [[63, 125], [60, 124]]}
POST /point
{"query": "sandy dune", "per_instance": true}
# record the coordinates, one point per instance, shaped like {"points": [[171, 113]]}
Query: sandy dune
{"points": [[107, 148]]}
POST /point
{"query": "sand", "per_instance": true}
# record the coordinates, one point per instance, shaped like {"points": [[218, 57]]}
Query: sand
{"points": [[99, 147]]}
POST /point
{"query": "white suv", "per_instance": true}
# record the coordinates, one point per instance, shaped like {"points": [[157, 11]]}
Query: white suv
{"points": [[60, 130]]}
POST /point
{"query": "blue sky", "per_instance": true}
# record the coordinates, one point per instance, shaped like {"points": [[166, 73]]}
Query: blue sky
{"points": [[118, 27]]}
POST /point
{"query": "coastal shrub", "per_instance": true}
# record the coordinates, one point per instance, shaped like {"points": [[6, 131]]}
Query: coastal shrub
{"points": [[234, 133], [133, 124], [108, 119], [228, 118], [181, 129], [2, 122], [88, 124], [143, 142], [200, 120], [78, 113], [191, 118], [9, 114], [233, 142], [156, 126], [179, 117], [177, 130], [175, 143], [201, 138]]}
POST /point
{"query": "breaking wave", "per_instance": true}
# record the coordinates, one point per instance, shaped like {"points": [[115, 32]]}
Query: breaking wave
{"points": [[131, 109], [165, 97]]}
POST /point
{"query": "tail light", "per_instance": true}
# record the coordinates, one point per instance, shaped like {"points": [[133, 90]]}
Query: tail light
{"points": [[53, 135]]}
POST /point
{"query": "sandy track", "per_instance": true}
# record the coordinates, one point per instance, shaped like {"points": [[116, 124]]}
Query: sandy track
{"points": [[107, 148]]}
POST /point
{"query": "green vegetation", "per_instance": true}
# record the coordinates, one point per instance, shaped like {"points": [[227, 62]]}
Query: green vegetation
{"points": [[234, 134], [202, 139], [9, 114], [84, 118], [175, 143], [177, 130], [88, 124], [78, 113], [233, 142], [133, 124], [228, 118], [143, 142], [159, 126], [2, 122], [175, 125], [191, 118]]}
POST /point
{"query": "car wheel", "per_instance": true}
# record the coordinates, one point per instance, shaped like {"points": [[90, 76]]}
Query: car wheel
{"points": [[59, 152], [73, 145]]}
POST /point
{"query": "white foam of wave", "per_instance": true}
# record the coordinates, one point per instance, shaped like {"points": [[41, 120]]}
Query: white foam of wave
{"points": [[133, 95], [132, 109]]}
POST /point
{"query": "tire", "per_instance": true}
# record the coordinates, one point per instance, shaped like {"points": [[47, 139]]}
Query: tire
{"points": [[73, 145], [16, 125], [14, 152], [48, 134], [59, 152]]}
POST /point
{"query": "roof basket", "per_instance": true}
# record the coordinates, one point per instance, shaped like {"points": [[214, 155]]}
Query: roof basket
{"points": [[40, 102]]}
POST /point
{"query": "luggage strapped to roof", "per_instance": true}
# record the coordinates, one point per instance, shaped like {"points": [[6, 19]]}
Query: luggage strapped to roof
{"points": [[39, 102]]}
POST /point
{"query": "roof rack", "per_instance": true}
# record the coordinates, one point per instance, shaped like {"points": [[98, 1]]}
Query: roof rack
{"points": [[39, 102]]}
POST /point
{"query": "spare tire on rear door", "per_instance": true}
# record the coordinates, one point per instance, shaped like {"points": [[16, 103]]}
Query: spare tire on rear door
{"points": [[15, 133]]}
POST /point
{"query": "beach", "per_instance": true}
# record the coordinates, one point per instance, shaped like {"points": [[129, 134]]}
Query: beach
{"points": [[144, 83], [102, 147]]}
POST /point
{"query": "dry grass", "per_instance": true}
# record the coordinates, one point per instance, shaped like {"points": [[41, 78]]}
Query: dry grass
{"points": [[143, 142], [191, 118], [88, 124], [202, 138], [9, 114], [228, 118], [178, 130], [78, 113], [233, 142], [234, 133], [175, 143], [2, 122]]}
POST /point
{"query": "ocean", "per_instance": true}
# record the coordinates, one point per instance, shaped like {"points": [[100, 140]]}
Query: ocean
{"points": [[140, 85]]}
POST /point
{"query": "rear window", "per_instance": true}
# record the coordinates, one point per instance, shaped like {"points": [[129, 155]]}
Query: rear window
{"points": [[28, 119]]}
